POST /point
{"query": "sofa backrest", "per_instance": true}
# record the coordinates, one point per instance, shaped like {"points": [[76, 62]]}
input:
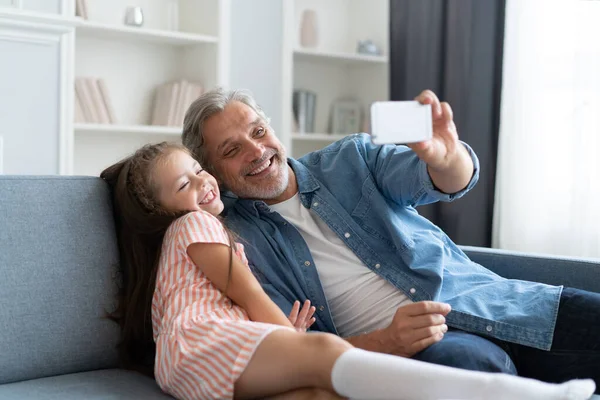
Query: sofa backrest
{"points": [[58, 262]]}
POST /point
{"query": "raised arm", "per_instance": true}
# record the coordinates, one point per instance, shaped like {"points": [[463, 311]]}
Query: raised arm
{"points": [[440, 169], [243, 289], [448, 162]]}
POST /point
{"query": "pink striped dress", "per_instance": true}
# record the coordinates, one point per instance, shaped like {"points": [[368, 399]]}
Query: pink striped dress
{"points": [[203, 342]]}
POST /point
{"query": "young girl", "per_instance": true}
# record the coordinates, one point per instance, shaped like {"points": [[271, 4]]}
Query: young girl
{"points": [[187, 284]]}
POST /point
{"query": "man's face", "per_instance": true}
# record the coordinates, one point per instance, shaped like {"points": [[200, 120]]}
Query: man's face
{"points": [[245, 153]]}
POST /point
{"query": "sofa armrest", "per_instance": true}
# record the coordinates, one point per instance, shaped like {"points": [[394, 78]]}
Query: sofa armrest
{"points": [[581, 273]]}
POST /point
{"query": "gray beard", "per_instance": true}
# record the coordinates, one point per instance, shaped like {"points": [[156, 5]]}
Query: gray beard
{"points": [[266, 193]]}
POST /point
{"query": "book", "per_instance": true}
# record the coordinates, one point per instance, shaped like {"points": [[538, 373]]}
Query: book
{"points": [[171, 116], [79, 115], [179, 104], [108, 106], [166, 93], [159, 102], [172, 100], [84, 95], [97, 102], [187, 101], [198, 92], [81, 9]]}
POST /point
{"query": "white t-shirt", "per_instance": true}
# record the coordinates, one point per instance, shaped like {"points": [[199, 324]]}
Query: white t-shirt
{"points": [[360, 301]]}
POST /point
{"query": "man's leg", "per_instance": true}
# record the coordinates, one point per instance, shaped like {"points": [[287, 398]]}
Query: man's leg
{"points": [[468, 351], [575, 351]]}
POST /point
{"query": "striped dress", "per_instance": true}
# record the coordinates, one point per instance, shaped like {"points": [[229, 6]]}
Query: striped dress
{"points": [[203, 342]]}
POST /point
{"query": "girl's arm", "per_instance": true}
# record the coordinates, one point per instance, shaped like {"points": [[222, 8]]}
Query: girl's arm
{"points": [[243, 289]]}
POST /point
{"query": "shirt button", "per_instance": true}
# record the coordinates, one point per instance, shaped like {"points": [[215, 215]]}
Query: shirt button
{"points": [[413, 290], [488, 328], [307, 263], [285, 223], [316, 203], [321, 308], [347, 235], [377, 265]]}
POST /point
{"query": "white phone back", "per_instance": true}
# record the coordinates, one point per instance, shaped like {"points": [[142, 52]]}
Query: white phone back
{"points": [[400, 122]]}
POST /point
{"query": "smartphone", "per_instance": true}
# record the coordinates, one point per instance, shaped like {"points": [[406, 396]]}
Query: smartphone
{"points": [[400, 122]]}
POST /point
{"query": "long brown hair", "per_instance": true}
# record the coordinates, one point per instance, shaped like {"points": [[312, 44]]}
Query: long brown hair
{"points": [[141, 223]]}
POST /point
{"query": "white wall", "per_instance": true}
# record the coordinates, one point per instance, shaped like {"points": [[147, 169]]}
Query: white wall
{"points": [[30, 123], [256, 61]]}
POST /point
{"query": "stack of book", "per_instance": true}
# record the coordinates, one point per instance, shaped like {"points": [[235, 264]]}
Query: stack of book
{"points": [[171, 101], [81, 8], [92, 103]]}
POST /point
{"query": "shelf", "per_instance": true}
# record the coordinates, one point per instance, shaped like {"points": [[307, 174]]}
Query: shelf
{"points": [[351, 58], [16, 16], [317, 137], [128, 129], [106, 31]]}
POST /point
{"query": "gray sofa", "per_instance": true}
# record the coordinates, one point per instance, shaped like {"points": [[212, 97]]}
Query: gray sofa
{"points": [[58, 258]]}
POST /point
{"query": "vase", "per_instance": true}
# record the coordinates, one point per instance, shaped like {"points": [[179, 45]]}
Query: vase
{"points": [[134, 16], [309, 33]]}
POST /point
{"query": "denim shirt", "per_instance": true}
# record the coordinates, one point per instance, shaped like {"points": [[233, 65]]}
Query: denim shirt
{"points": [[367, 194]]}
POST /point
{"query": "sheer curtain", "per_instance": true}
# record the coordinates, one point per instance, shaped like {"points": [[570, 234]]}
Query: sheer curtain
{"points": [[548, 179]]}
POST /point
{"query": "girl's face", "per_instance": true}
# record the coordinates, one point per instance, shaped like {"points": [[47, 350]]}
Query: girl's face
{"points": [[184, 186]]}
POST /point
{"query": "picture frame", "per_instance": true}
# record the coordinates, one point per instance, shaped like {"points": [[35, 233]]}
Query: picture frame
{"points": [[345, 117]]}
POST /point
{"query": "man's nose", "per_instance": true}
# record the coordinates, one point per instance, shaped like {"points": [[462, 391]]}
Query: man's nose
{"points": [[255, 150]]}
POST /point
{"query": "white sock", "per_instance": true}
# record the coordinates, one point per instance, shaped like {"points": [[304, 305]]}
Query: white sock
{"points": [[365, 375]]}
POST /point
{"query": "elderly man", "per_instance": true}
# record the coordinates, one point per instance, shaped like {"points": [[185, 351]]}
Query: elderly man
{"points": [[339, 227]]}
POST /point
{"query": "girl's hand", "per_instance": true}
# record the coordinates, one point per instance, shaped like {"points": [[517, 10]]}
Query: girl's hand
{"points": [[302, 319]]}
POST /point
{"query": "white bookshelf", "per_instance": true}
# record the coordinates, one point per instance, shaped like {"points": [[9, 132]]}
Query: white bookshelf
{"points": [[115, 129], [333, 69], [134, 61], [339, 57], [87, 28], [215, 44]]}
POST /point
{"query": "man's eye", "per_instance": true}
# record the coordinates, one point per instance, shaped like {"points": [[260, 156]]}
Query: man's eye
{"points": [[260, 132], [230, 152]]}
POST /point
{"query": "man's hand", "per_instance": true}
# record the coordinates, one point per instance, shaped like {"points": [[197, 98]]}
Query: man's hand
{"points": [[302, 319], [448, 162], [414, 328]]}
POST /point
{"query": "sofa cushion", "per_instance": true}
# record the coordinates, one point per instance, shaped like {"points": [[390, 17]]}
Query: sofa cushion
{"points": [[58, 257], [94, 385]]}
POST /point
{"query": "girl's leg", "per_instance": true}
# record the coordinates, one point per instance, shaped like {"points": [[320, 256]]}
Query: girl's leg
{"points": [[365, 375], [307, 394], [287, 360]]}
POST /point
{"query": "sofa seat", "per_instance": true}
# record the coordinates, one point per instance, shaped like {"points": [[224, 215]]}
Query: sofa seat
{"points": [[107, 384]]}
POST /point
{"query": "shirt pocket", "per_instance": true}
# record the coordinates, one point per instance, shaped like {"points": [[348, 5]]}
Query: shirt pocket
{"points": [[379, 220]]}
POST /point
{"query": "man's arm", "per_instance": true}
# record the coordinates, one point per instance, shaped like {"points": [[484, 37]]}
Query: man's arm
{"points": [[448, 163], [414, 328], [456, 176]]}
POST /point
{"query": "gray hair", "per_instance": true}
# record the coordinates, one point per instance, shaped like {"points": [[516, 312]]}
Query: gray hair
{"points": [[205, 106]]}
